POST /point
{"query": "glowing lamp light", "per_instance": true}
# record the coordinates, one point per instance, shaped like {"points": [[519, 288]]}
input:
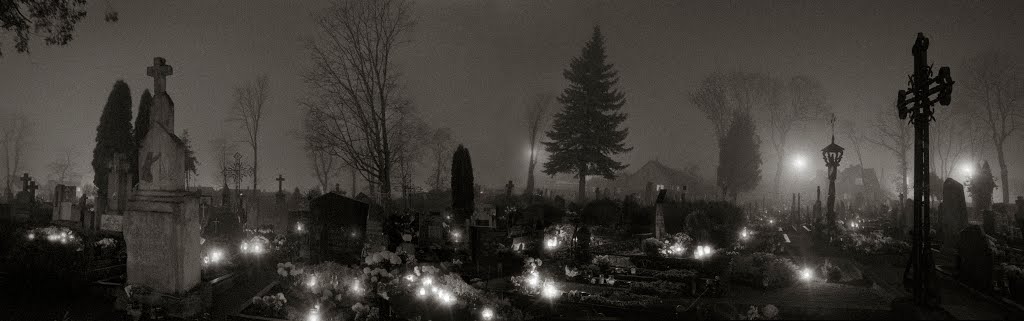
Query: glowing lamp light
{"points": [[744, 234], [551, 243], [771, 222], [245, 247], [533, 280], [314, 314], [356, 288], [550, 291], [216, 255], [806, 274], [422, 292], [311, 282], [427, 280], [257, 248], [799, 162], [967, 169], [410, 278], [702, 252], [298, 227], [31, 236], [487, 314]]}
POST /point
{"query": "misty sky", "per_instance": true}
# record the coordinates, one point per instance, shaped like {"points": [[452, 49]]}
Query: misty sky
{"points": [[471, 65]]}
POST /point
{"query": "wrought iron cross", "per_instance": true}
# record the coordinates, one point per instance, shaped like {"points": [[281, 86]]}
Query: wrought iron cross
{"points": [[920, 269]]}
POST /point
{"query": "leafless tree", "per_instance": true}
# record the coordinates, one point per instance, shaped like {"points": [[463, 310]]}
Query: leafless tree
{"points": [[63, 169], [895, 136], [224, 149], [720, 96], [791, 106], [15, 130], [992, 85], [325, 167], [953, 137], [250, 98], [440, 155], [354, 100], [413, 138], [537, 114]]}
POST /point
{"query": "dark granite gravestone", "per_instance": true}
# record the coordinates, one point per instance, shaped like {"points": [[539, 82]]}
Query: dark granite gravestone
{"points": [[975, 258], [337, 228], [953, 211]]}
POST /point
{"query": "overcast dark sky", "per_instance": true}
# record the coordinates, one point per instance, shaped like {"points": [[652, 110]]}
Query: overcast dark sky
{"points": [[470, 66]]}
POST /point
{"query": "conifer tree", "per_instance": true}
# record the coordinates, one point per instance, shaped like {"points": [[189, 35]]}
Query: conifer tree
{"points": [[739, 157], [113, 135], [462, 183], [586, 132], [140, 130]]}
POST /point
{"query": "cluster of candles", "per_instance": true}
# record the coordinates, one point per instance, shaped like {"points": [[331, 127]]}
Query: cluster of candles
{"points": [[427, 286], [702, 252], [63, 237], [214, 257], [551, 243], [254, 247], [547, 288]]}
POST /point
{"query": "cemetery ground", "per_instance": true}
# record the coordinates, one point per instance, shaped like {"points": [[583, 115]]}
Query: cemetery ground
{"points": [[713, 260]]}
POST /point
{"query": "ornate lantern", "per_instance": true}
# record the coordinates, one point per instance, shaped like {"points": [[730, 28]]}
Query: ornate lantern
{"points": [[832, 154]]}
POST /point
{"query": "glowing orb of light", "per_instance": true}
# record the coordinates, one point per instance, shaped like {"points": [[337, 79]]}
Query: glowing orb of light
{"points": [[550, 291], [487, 314], [806, 274]]}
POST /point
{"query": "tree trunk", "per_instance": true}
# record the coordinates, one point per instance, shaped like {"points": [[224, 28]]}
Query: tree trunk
{"points": [[778, 172], [581, 195], [529, 177], [1004, 174], [255, 200], [353, 182]]}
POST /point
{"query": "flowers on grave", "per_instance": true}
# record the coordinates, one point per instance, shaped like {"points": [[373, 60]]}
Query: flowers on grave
{"points": [[874, 243], [764, 270], [54, 234], [106, 243], [571, 272], [256, 245], [674, 245], [768, 312], [270, 305]]}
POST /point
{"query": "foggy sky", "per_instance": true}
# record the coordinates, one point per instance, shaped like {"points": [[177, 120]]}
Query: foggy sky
{"points": [[472, 65]]}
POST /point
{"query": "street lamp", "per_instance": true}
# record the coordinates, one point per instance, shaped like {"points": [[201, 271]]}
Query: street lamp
{"points": [[832, 154]]}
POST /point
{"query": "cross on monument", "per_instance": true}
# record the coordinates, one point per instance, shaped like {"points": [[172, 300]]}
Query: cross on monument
{"points": [[24, 182], [279, 179], [159, 71], [921, 268], [32, 187]]}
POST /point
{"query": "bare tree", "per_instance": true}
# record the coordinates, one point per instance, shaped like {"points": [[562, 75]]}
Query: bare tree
{"points": [[537, 113], [721, 96], [325, 167], [15, 131], [896, 137], [247, 111], [354, 101], [63, 169], [801, 100], [953, 138], [412, 141], [992, 86], [224, 149], [441, 153]]}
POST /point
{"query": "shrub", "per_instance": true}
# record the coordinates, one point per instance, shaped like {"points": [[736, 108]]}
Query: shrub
{"points": [[676, 275], [651, 247], [621, 299], [763, 270], [658, 288]]}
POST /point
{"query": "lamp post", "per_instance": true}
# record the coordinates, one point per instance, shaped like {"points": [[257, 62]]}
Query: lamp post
{"points": [[832, 154]]}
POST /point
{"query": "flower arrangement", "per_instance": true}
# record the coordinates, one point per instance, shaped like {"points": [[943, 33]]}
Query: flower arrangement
{"points": [[270, 305], [763, 270], [106, 243], [874, 243], [768, 312]]}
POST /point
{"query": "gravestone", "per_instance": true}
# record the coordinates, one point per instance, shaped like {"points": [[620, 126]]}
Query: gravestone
{"points": [[64, 198], [975, 258], [1019, 214], [162, 223], [338, 228], [953, 211], [659, 215]]}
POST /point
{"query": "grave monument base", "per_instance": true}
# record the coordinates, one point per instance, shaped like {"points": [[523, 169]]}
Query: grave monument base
{"points": [[162, 233]]}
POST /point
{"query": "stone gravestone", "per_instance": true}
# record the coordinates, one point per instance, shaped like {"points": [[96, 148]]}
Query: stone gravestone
{"points": [[659, 215], [975, 258], [162, 221], [64, 198], [953, 211]]}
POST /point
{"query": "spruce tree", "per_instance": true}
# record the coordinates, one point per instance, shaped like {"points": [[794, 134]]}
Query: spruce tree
{"points": [[462, 183], [981, 187], [586, 132], [113, 135], [140, 130], [739, 157]]}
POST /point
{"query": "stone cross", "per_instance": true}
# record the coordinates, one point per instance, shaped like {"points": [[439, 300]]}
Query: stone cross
{"points": [[280, 180], [32, 187], [24, 181], [508, 189], [159, 71]]}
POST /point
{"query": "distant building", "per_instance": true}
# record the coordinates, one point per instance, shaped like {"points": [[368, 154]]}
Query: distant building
{"points": [[859, 187], [648, 179]]}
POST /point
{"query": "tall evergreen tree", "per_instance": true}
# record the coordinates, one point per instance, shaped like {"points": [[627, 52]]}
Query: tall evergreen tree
{"points": [[586, 131], [113, 135], [140, 130], [462, 183], [981, 187], [739, 157]]}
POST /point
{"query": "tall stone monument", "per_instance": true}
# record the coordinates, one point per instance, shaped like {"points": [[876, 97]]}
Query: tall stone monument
{"points": [[659, 215], [952, 212], [162, 219]]}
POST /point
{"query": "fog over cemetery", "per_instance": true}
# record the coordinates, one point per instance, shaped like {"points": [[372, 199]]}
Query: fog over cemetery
{"points": [[511, 160]]}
